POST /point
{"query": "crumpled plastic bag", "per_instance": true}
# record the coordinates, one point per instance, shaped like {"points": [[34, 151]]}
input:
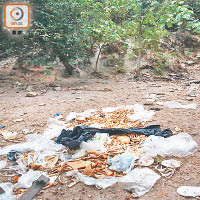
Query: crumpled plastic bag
{"points": [[175, 104], [123, 162], [47, 159], [35, 142], [8, 188], [54, 128], [141, 114], [141, 180], [3, 164], [180, 145], [26, 180], [102, 183], [86, 113], [93, 146]]}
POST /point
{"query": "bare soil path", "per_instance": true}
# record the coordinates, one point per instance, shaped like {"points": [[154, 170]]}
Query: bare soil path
{"points": [[35, 112]]}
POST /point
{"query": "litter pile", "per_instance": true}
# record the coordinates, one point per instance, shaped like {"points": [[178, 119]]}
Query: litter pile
{"points": [[102, 148]]}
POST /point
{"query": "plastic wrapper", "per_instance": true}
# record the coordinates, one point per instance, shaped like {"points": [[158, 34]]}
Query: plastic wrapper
{"points": [[34, 142], [102, 138], [123, 162], [9, 135], [171, 163], [13, 155], [54, 128], [181, 144], [93, 146], [58, 116], [141, 114], [47, 159], [3, 164], [139, 181], [26, 180], [174, 104], [86, 113], [101, 183], [8, 188], [71, 116], [111, 109], [189, 191]]}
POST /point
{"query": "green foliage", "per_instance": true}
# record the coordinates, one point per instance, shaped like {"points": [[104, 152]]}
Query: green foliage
{"points": [[69, 30], [183, 16], [57, 31]]}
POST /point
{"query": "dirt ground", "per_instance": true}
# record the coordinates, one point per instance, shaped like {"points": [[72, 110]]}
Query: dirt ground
{"points": [[98, 93]]}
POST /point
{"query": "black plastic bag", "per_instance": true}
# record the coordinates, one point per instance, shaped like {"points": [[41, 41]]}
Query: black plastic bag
{"points": [[73, 138]]}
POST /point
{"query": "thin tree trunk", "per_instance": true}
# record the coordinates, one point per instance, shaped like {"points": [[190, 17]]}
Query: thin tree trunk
{"points": [[139, 59], [97, 60]]}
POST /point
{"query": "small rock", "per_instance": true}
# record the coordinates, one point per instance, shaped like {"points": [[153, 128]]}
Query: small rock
{"points": [[78, 97], [18, 120], [17, 83], [190, 62], [58, 89], [42, 104], [156, 109], [31, 94], [53, 85], [192, 94], [29, 88]]}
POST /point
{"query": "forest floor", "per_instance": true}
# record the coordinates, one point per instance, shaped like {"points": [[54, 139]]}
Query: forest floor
{"points": [[75, 94]]}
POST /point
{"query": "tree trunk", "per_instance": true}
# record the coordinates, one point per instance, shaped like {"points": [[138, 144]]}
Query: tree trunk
{"points": [[69, 70], [139, 59], [97, 60]]}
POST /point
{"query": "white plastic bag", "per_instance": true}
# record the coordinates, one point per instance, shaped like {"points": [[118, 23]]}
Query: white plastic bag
{"points": [[175, 104], [93, 146], [180, 145], [35, 142], [123, 162], [102, 182], [8, 188], [189, 191], [139, 179], [141, 114], [26, 180], [3, 164]]}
